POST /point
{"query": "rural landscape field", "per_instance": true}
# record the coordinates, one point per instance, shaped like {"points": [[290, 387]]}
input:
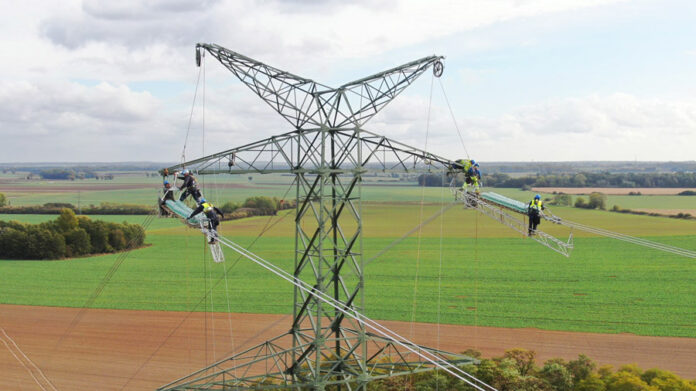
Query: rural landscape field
{"points": [[462, 268], [399, 195]]}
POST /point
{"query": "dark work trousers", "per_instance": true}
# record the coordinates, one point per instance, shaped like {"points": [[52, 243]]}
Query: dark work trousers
{"points": [[534, 220], [195, 193]]}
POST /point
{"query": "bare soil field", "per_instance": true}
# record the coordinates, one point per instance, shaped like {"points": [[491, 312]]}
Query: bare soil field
{"points": [[142, 350], [668, 211], [613, 190]]}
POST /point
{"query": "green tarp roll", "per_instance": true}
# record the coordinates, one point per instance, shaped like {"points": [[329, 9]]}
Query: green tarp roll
{"points": [[184, 211], [517, 206]]}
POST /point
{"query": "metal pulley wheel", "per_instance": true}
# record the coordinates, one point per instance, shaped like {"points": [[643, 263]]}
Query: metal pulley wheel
{"points": [[438, 68]]}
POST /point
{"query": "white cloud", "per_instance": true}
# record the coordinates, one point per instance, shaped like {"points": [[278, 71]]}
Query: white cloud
{"points": [[612, 127], [127, 40], [111, 44], [100, 123]]}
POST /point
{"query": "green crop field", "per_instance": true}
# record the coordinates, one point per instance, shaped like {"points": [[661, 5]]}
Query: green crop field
{"points": [[479, 273]]}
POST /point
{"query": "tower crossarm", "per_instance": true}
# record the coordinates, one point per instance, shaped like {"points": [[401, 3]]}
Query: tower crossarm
{"points": [[300, 152], [360, 100], [292, 96], [306, 104]]}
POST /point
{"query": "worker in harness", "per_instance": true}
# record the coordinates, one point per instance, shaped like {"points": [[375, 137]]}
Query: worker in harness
{"points": [[534, 212], [168, 195], [472, 175], [190, 187], [211, 212]]}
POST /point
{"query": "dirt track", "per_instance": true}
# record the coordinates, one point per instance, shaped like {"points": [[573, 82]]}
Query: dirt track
{"points": [[142, 350]]}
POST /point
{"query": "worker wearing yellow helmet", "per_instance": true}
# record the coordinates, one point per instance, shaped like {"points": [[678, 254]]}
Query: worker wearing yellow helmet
{"points": [[212, 213]]}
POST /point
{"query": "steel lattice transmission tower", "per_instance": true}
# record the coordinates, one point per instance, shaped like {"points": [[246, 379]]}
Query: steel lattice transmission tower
{"points": [[328, 151]]}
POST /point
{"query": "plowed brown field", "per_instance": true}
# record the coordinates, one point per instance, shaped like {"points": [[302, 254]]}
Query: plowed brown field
{"points": [[614, 190], [142, 350]]}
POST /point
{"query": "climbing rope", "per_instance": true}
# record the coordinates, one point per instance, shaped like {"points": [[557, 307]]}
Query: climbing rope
{"points": [[454, 119], [193, 106], [422, 202], [439, 271]]}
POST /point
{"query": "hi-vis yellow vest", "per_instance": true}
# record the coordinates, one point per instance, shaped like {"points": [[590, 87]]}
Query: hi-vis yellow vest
{"points": [[466, 164], [535, 204], [207, 207]]}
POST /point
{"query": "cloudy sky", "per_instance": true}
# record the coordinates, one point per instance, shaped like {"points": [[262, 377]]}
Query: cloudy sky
{"points": [[528, 80]]}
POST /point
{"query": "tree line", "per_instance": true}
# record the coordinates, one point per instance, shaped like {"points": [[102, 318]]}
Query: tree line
{"points": [[589, 179], [105, 208], [67, 236], [252, 206], [517, 370], [255, 206], [583, 179]]}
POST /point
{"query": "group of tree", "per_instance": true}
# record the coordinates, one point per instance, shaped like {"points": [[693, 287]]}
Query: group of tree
{"points": [[66, 236], [72, 174], [105, 208], [583, 179], [599, 179], [255, 206], [517, 370], [595, 201]]}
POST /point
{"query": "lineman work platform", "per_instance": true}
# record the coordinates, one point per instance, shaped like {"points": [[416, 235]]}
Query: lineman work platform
{"points": [[182, 210], [498, 207]]}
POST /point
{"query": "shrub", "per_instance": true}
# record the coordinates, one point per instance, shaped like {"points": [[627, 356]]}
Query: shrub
{"points": [[266, 204], [67, 220], [117, 239], [580, 203], [12, 243], [562, 199], [591, 383], [3, 200], [687, 193], [229, 207], [524, 360], [597, 201], [627, 381], [581, 368], [77, 242], [557, 376]]}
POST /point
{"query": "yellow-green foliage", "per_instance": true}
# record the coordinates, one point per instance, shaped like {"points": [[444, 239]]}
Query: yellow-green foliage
{"points": [[556, 374]]}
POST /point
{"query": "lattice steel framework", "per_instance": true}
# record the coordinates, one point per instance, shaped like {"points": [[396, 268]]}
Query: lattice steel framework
{"points": [[328, 151]]}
